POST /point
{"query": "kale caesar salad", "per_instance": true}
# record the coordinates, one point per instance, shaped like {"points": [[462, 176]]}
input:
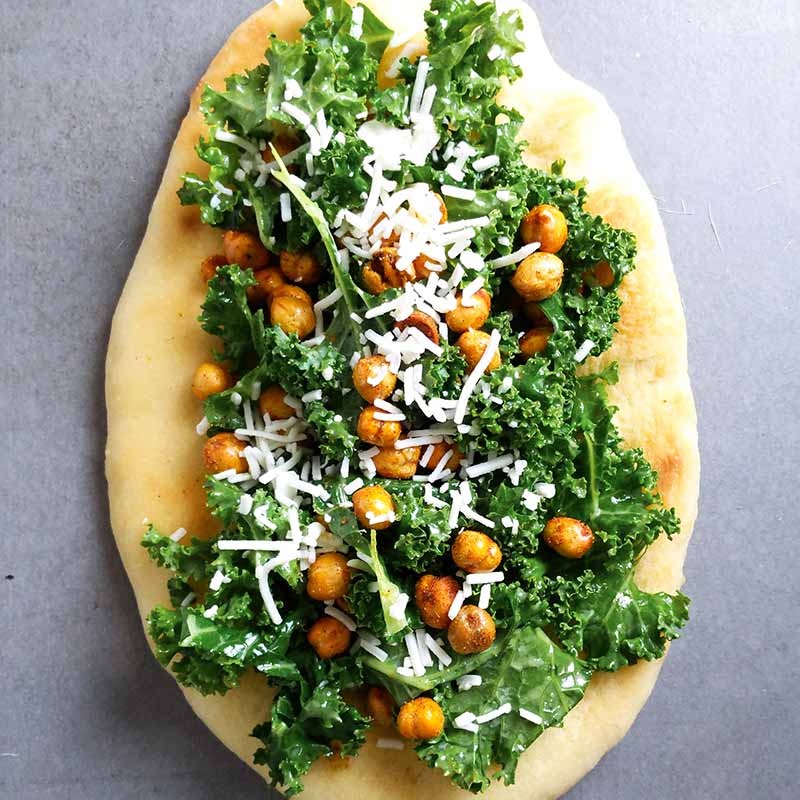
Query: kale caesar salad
{"points": [[428, 522]]}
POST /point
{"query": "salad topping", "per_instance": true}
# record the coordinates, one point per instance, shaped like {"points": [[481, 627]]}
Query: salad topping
{"points": [[418, 494]]}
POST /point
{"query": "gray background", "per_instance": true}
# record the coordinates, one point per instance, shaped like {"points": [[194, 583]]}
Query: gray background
{"points": [[92, 95]]}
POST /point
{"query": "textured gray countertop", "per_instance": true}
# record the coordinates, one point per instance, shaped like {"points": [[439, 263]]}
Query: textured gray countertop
{"points": [[92, 96]]}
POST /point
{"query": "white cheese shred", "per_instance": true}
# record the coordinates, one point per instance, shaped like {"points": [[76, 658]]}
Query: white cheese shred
{"points": [[389, 744], [455, 606], [530, 716], [497, 712]]}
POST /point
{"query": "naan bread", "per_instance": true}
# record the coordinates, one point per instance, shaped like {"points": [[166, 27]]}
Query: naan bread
{"points": [[154, 464]]}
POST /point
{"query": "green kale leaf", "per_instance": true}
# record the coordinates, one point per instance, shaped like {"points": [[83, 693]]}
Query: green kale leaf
{"points": [[606, 615], [308, 716], [227, 315], [189, 562], [530, 673]]}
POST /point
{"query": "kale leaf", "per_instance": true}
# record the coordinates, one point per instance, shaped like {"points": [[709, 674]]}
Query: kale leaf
{"points": [[308, 717], [606, 615], [530, 673], [227, 315]]}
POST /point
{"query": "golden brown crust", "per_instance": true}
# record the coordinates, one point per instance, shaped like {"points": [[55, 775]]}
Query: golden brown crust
{"points": [[154, 458]]}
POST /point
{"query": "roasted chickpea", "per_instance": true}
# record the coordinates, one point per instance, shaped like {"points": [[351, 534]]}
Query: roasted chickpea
{"points": [[383, 433], [381, 706], [273, 402], [373, 502], [442, 207], [463, 317], [381, 273], [283, 144], [301, 267], [422, 322], [291, 309], [601, 274], [328, 637], [440, 450], [472, 631], [538, 276], [210, 379], [268, 280], [534, 341], [328, 577], [342, 603], [473, 345], [474, 551], [422, 266], [209, 266], [420, 718], [389, 238], [392, 463], [547, 225], [433, 597], [223, 452], [373, 379], [245, 249], [535, 315], [569, 537]]}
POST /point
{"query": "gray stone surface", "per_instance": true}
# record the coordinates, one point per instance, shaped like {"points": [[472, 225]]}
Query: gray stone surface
{"points": [[92, 96]]}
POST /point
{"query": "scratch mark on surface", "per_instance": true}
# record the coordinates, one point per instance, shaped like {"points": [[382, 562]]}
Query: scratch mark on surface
{"points": [[683, 210], [786, 247], [714, 227], [9, 755], [769, 185], [118, 246]]}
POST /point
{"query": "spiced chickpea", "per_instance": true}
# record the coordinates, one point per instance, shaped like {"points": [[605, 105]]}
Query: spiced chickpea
{"points": [[547, 225], [301, 267], [381, 273], [295, 292], [378, 274], [210, 265], [421, 266], [423, 322], [601, 274], [442, 208], [245, 249], [223, 452], [373, 379], [267, 281], [283, 145], [472, 314], [433, 597], [328, 637], [442, 449], [538, 276], [473, 345], [393, 463], [474, 551], [328, 577], [272, 401], [535, 315], [342, 603], [372, 503], [535, 340], [381, 706], [380, 432], [210, 379], [472, 631], [569, 537], [420, 718], [291, 310]]}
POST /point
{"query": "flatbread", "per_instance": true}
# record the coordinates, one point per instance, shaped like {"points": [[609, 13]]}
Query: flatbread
{"points": [[154, 464]]}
